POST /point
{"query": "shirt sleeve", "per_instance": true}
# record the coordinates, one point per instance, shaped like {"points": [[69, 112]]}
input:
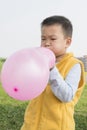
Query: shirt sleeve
{"points": [[65, 90]]}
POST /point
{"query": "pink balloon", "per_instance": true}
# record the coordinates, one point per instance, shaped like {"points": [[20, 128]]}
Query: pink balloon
{"points": [[25, 73], [48, 55]]}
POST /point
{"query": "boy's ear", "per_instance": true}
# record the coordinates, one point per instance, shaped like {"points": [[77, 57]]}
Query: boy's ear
{"points": [[68, 41]]}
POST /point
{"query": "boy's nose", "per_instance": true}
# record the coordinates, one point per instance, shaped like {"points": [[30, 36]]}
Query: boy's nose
{"points": [[47, 44]]}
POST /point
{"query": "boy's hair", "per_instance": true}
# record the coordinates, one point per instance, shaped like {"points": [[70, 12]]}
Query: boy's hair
{"points": [[60, 20]]}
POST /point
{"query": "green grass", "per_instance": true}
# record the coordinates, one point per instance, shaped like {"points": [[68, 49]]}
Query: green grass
{"points": [[12, 112], [81, 112]]}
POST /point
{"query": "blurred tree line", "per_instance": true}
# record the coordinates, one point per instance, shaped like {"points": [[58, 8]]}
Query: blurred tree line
{"points": [[2, 59]]}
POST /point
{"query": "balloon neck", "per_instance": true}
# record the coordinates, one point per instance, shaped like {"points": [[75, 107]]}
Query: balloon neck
{"points": [[48, 55]]}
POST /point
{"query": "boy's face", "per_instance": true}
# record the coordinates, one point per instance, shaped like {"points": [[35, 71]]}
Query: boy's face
{"points": [[52, 37]]}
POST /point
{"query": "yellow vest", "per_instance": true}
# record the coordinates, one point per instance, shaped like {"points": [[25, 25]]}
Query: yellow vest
{"points": [[46, 112]]}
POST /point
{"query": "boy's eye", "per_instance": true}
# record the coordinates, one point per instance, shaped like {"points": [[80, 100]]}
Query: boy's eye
{"points": [[53, 39], [43, 39]]}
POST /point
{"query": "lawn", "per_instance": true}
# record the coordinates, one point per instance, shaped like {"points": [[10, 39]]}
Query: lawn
{"points": [[81, 112], [12, 112]]}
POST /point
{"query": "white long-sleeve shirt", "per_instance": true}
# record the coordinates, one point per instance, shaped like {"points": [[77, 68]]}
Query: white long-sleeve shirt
{"points": [[65, 90]]}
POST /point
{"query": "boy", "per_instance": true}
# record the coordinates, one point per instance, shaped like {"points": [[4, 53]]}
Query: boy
{"points": [[54, 108]]}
